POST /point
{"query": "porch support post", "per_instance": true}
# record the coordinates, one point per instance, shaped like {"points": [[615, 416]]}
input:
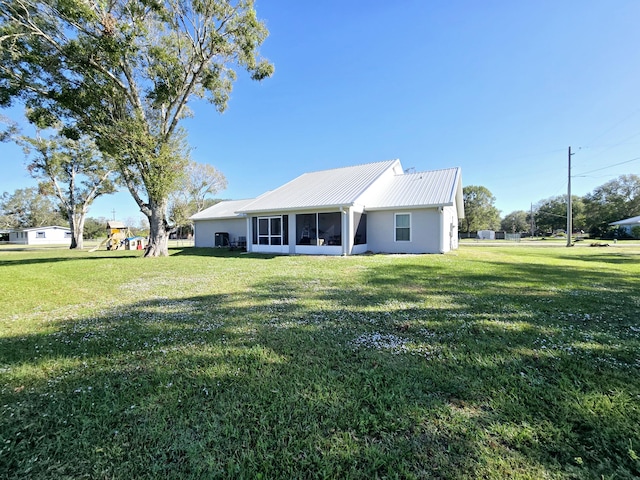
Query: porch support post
{"points": [[249, 234], [346, 231]]}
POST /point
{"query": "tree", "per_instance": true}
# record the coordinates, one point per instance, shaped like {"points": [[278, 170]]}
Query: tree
{"points": [[198, 184], [613, 201], [124, 72], [10, 129], [74, 171], [551, 214], [95, 227], [479, 210], [27, 208], [516, 222]]}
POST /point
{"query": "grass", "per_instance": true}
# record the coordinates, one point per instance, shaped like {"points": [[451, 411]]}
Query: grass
{"points": [[487, 362]]}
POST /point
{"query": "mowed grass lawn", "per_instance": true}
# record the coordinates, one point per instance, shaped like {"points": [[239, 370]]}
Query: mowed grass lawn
{"points": [[488, 362]]}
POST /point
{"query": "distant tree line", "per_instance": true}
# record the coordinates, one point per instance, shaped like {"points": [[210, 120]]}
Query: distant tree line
{"points": [[29, 208], [615, 200]]}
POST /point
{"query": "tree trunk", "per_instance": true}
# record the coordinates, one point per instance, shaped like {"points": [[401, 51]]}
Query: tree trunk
{"points": [[76, 224], [158, 245]]}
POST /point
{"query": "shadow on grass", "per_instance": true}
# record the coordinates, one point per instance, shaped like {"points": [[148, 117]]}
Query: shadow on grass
{"points": [[173, 388], [220, 253], [85, 255], [77, 256], [609, 257], [314, 379]]}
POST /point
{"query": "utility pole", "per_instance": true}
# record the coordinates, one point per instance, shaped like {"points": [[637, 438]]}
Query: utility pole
{"points": [[569, 219], [531, 215]]}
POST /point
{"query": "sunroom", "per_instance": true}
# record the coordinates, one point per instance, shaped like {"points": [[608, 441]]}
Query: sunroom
{"points": [[310, 232]]}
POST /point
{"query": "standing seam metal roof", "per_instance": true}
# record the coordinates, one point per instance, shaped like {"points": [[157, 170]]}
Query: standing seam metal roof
{"points": [[436, 187], [627, 221], [224, 209], [335, 187]]}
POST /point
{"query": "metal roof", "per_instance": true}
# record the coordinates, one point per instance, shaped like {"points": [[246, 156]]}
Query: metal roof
{"points": [[373, 185], [627, 221], [432, 188], [224, 209], [115, 224], [326, 188], [32, 229]]}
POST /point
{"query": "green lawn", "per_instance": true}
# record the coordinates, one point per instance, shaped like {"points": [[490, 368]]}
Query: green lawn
{"points": [[488, 362]]}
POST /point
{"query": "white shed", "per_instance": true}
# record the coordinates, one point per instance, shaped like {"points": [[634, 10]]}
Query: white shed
{"points": [[486, 235]]}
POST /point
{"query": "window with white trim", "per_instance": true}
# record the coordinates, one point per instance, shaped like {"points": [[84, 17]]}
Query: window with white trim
{"points": [[270, 230], [403, 227]]}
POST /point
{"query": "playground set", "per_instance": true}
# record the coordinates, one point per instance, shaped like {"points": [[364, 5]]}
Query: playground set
{"points": [[120, 237]]}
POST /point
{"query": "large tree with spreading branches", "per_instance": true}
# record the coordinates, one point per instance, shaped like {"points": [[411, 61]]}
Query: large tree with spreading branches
{"points": [[123, 72], [72, 170]]}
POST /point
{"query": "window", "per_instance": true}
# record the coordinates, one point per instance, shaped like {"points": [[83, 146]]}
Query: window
{"points": [[40, 235], [403, 227], [270, 230], [263, 231]]}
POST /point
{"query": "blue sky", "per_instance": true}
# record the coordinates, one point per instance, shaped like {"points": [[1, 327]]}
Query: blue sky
{"points": [[498, 88]]}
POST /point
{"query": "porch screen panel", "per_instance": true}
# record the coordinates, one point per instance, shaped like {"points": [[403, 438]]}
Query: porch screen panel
{"points": [[306, 229], [330, 228], [360, 221], [254, 230], [285, 229]]}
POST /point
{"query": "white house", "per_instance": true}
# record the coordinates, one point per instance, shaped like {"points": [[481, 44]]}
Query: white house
{"points": [[41, 236], [373, 207]]}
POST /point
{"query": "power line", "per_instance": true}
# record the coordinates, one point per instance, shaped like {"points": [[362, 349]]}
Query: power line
{"points": [[597, 137], [608, 166]]}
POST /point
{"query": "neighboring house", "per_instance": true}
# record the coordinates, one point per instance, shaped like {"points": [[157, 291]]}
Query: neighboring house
{"points": [[373, 207], [41, 236], [627, 224]]}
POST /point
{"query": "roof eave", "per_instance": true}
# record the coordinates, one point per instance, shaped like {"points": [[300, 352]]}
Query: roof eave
{"points": [[226, 217], [408, 207], [297, 209]]}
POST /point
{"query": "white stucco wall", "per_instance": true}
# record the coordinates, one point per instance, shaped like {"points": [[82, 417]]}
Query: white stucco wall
{"points": [[426, 235], [205, 230], [449, 229]]}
